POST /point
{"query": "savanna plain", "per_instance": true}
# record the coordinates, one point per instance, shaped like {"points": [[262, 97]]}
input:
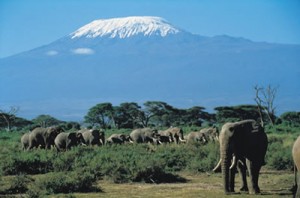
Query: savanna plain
{"points": [[137, 170]]}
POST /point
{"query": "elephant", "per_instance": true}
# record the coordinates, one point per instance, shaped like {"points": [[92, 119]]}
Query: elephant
{"points": [[210, 133], [93, 136], [144, 135], [64, 141], [244, 145], [175, 133], [43, 137], [196, 136], [118, 139], [296, 158], [25, 141], [163, 138]]}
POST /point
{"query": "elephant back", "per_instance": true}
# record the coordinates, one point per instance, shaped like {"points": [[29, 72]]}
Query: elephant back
{"points": [[91, 136], [142, 135], [175, 133], [61, 138], [38, 136]]}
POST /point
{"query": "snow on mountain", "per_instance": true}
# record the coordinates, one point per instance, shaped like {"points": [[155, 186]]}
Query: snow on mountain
{"points": [[126, 27]]}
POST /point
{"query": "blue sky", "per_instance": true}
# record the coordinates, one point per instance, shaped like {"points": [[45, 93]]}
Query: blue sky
{"points": [[26, 24]]}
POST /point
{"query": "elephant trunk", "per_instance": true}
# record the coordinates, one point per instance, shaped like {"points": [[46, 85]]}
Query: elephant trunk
{"points": [[226, 157], [225, 173]]}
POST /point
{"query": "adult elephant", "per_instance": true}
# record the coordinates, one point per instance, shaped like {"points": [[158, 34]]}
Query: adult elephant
{"points": [[144, 135], [175, 133], [296, 158], [244, 142], [25, 141], [64, 141], [196, 136], [210, 133], [43, 137], [118, 139], [163, 138], [93, 136]]}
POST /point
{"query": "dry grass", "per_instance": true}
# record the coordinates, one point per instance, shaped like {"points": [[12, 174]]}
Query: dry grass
{"points": [[272, 183]]}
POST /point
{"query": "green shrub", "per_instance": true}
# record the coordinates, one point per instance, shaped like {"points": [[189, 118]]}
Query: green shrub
{"points": [[33, 162], [18, 185], [66, 182], [279, 157], [205, 159]]}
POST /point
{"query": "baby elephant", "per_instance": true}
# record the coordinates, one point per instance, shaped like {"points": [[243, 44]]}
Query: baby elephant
{"points": [[118, 139], [64, 141], [25, 141]]}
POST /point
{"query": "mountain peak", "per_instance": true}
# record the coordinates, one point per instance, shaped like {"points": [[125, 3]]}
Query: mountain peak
{"points": [[126, 27]]}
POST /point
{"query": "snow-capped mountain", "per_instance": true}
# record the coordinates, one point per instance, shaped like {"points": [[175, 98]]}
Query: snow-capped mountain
{"points": [[137, 59], [126, 27]]}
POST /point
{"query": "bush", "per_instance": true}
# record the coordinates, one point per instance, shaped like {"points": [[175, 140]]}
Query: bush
{"points": [[279, 157], [205, 159], [33, 162], [65, 182], [18, 185]]}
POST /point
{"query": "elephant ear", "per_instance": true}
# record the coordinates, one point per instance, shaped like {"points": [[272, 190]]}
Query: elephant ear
{"points": [[95, 133], [72, 136], [79, 135]]}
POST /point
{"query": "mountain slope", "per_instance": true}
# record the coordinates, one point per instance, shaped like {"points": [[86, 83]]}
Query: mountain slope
{"points": [[145, 62]]}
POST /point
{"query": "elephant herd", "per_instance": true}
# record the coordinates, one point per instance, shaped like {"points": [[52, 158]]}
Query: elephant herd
{"points": [[243, 146], [56, 137]]}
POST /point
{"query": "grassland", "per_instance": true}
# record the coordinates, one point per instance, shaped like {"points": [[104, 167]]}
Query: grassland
{"points": [[134, 170]]}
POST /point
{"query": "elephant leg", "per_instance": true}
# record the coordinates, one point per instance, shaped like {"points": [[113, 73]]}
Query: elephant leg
{"points": [[297, 190], [242, 172], [254, 169], [232, 178]]}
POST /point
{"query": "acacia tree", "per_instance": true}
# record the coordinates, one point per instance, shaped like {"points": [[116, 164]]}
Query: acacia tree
{"points": [[291, 118], [264, 98], [46, 121], [196, 116], [236, 113], [127, 115], [159, 112], [8, 117], [101, 114]]}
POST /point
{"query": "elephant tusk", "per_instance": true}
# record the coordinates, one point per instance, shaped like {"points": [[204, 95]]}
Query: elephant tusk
{"points": [[217, 138], [240, 161], [131, 141], [218, 166], [234, 161]]}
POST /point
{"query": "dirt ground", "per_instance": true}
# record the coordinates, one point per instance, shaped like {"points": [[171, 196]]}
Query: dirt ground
{"points": [[272, 184]]}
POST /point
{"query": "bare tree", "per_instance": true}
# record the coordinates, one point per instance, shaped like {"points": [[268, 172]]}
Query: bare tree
{"points": [[9, 116], [264, 98]]}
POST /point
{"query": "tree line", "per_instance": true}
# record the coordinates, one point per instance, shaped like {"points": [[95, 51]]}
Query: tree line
{"points": [[152, 114]]}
